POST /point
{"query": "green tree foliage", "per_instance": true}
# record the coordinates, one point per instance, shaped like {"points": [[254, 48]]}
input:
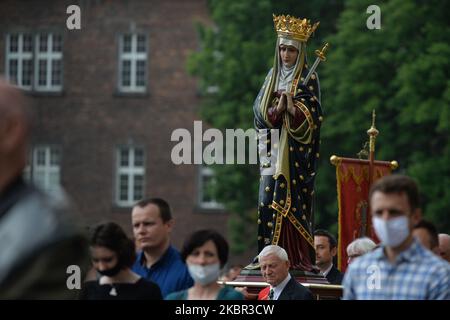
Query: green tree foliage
{"points": [[401, 71], [236, 54]]}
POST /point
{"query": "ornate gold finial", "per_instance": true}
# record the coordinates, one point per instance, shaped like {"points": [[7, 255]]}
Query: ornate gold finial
{"points": [[394, 165], [335, 160], [321, 53], [294, 28], [372, 132], [364, 152]]}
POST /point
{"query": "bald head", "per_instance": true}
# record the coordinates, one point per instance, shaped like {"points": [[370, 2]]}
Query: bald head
{"points": [[12, 101], [444, 246], [14, 128]]}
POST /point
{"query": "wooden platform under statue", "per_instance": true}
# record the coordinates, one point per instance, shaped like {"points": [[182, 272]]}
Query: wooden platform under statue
{"points": [[317, 283]]}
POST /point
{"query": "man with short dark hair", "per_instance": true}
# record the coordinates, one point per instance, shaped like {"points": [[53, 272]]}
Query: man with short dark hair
{"points": [[400, 269], [426, 233], [158, 261], [326, 248]]}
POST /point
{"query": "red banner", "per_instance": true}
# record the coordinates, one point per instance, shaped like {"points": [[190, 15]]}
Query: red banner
{"points": [[352, 177]]}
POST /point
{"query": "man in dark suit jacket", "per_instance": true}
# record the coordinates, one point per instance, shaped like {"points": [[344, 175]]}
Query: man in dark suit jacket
{"points": [[334, 276], [326, 248], [274, 264]]}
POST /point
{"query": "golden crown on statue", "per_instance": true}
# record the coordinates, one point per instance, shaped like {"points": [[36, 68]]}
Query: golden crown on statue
{"points": [[294, 28]]}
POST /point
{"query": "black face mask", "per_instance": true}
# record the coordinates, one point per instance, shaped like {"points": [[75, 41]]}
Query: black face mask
{"points": [[111, 272]]}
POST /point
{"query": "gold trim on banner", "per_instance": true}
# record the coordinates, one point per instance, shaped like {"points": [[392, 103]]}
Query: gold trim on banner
{"points": [[338, 180], [358, 177]]}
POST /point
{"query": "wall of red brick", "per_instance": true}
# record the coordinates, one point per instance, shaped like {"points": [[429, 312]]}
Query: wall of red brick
{"points": [[90, 119]]}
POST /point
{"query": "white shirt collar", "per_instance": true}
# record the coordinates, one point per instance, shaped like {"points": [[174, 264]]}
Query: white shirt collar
{"points": [[325, 273], [279, 288]]}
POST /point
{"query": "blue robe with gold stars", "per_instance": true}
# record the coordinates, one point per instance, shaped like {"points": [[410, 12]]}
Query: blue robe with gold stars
{"points": [[286, 197]]}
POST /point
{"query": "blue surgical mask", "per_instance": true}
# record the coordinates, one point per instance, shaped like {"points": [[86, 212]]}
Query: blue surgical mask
{"points": [[391, 232], [204, 274]]}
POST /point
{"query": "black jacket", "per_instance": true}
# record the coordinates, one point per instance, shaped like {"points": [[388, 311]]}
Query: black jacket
{"points": [[295, 291], [335, 276]]}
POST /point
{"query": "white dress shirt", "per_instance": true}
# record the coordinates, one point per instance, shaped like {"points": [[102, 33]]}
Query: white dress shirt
{"points": [[325, 273], [280, 287]]}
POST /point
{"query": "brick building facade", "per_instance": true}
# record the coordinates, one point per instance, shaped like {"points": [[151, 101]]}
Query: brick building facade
{"points": [[107, 99]]}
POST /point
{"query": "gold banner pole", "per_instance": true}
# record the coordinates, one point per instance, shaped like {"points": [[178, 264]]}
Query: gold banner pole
{"points": [[372, 132]]}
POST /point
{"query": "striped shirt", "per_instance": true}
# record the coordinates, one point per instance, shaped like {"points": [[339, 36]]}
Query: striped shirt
{"points": [[417, 274]]}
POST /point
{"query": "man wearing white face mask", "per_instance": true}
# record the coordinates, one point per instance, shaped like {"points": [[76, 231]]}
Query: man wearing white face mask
{"points": [[205, 253], [401, 268]]}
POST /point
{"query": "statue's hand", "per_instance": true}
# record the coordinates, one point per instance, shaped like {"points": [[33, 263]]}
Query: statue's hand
{"points": [[290, 103], [281, 104]]}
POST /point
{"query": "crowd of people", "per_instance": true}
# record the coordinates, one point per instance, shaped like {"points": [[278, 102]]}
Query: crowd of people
{"points": [[411, 260]]}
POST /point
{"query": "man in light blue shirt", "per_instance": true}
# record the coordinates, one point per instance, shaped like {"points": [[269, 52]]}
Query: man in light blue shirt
{"points": [[401, 268]]}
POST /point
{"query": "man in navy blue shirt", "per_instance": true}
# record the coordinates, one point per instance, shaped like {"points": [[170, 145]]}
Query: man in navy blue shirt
{"points": [[158, 261]]}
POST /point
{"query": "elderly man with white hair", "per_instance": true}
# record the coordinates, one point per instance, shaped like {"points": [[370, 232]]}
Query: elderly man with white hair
{"points": [[359, 247], [444, 246], [274, 264]]}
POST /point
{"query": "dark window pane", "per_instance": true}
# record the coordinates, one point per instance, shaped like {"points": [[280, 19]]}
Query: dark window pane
{"points": [[126, 73], [43, 42], [27, 69], [27, 43], [124, 154], [138, 187], [141, 43], [56, 72], [123, 187], [54, 157], [57, 43], [42, 72], [126, 43], [140, 72], [138, 157], [13, 43], [40, 157], [13, 70]]}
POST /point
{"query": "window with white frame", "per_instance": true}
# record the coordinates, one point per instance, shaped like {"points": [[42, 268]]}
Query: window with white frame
{"points": [[207, 183], [34, 62], [133, 63], [130, 175], [48, 62], [19, 59], [44, 168]]}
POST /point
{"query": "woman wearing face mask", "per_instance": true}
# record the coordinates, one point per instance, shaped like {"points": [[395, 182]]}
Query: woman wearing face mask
{"points": [[112, 255], [205, 253]]}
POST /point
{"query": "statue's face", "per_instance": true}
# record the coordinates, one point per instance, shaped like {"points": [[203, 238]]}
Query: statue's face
{"points": [[288, 55]]}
